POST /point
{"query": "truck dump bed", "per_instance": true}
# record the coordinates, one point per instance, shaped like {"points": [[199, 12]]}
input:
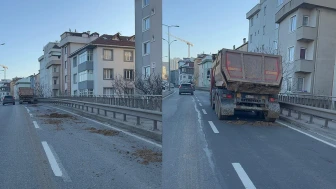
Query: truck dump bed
{"points": [[248, 72], [26, 91]]}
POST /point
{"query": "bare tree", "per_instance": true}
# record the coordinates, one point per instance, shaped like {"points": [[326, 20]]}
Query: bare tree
{"points": [[152, 85], [195, 79], [42, 90], [123, 86]]}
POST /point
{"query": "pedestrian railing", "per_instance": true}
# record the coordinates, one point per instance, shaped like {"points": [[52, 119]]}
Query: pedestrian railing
{"points": [[104, 109], [325, 102]]}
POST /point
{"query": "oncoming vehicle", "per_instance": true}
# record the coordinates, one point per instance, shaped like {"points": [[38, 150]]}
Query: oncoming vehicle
{"points": [[8, 100], [186, 88]]}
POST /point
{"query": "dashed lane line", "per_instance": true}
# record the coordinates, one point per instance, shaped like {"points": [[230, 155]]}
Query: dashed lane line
{"points": [[213, 127]]}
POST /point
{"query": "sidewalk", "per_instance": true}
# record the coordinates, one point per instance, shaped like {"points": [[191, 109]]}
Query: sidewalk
{"points": [[316, 127]]}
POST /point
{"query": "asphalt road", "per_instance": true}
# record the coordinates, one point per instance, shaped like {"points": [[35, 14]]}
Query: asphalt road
{"points": [[38, 151], [200, 151]]}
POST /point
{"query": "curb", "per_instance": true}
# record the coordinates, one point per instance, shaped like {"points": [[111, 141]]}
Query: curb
{"points": [[295, 123], [120, 124]]}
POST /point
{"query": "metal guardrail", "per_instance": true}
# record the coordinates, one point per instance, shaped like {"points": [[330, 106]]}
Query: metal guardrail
{"points": [[325, 102], [327, 115], [103, 109], [148, 102]]}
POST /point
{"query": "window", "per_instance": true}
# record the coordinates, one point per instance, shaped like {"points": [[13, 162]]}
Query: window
{"points": [[65, 50], [275, 45], [147, 71], [263, 48], [74, 61], [145, 3], [300, 84], [305, 21], [276, 26], [289, 84], [189, 77], [75, 93], [85, 56], [75, 78], [108, 54], [257, 15], [108, 74], [265, 10], [280, 2], [86, 92], [108, 91], [146, 24], [129, 91], [292, 24], [55, 81], [86, 75], [146, 48], [303, 53], [65, 64], [252, 21], [129, 74], [128, 56], [55, 69], [291, 54], [264, 30], [251, 38], [65, 79]]}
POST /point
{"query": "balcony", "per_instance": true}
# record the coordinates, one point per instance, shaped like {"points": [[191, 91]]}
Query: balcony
{"points": [[88, 84], [55, 86], [306, 34], [53, 62], [294, 5], [55, 74], [304, 66], [253, 11], [87, 65]]}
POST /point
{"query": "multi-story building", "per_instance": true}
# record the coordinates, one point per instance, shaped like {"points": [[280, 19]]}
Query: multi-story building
{"points": [[263, 31], [50, 68], [71, 42], [97, 65], [148, 37], [196, 69], [307, 44], [4, 88], [186, 71], [243, 47], [12, 84], [205, 70]]}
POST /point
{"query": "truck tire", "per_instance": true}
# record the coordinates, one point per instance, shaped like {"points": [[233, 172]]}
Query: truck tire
{"points": [[220, 116]]}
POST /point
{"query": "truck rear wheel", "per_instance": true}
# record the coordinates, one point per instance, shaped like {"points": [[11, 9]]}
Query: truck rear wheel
{"points": [[220, 116]]}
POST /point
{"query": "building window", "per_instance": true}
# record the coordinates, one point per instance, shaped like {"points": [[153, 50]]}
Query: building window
{"points": [[263, 48], [55, 81], [74, 61], [85, 75], [289, 84], [264, 30], [147, 71], [257, 15], [55, 69], [305, 21], [265, 10], [189, 77], [129, 74], [280, 2], [65, 64], [146, 24], [303, 53], [108, 91], [108, 74], [129, 91], [65, 50], [291, 54], [276, 26], [252, 21], [275, 45], [75, 93], [128, 56], [146, 48], [300, 84], [292, 24], [108, 54], [86, 92], [251, 38], [145, 3], [65, 78], [75, 78], [86, 56]]}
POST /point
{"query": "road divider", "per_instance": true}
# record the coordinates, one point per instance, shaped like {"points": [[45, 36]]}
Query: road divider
{"points": [[213, 127], [243, 176]]}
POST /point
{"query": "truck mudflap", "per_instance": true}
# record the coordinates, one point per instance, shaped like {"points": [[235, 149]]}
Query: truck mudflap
{"points": [[271, 111]]}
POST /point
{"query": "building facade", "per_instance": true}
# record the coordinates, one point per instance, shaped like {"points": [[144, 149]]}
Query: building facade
{"points": [[243, 47], [50, 69], [4, 88], [24, 82], [148, 36], [186, 71], [204, 71], [98, 67], [71, 42]]}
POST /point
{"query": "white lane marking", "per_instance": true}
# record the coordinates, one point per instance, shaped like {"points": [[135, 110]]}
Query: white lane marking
{"points": [[213, 127], [106, 125], [325, 142], [197, 100], [52, 161], [243, 176], [200, 104], [35, 124], [204, 112], [28, 110], [31, 115], [65, 175]]}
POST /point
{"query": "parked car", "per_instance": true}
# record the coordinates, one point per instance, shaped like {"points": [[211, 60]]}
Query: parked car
{"points": [[8, 100], [186, 88]]}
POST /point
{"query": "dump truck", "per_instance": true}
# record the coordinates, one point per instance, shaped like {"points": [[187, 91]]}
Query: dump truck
{"points": [[245, 81], [26, 94]]}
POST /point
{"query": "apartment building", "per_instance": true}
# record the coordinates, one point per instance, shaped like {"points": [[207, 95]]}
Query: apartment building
{"points": [[12, 84], [4, 88], [148, 37], [186, 71], [243, 47], [96, 65], [307, 41], [263, 31], [204, 70], [50, 68], [196, 70], [71, 42]]}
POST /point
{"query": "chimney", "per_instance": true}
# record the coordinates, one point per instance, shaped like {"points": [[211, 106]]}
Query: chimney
{"points": [[88, 32], [244, 40], [234, 47]]}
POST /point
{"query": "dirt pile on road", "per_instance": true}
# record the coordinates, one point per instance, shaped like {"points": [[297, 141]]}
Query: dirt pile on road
{"points": [[105, 132], [263, 123], [148, 156], [238, 122]]}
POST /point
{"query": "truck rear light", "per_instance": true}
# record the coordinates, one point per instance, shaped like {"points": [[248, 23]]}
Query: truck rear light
{"points": [[272, 99], [227, 95]]}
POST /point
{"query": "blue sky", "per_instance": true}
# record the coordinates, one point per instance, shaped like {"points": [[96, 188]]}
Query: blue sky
{"points": [[210, 25], [26, 26]]}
